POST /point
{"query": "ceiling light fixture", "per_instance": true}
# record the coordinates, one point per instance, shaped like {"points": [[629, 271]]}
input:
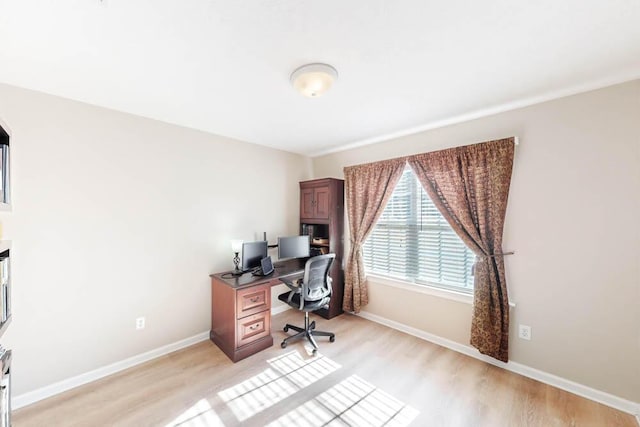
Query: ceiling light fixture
{"points": [[313, 80]]}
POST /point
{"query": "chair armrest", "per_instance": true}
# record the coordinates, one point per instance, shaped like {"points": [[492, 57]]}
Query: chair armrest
{"points": [[295, 289], [291, 285]]}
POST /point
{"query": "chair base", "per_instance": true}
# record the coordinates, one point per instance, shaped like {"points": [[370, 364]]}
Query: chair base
{"points": [[309, 331]]}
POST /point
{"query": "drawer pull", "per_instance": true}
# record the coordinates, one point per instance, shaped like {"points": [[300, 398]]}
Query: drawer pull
{"points": [[254, 299], [254, 327]]}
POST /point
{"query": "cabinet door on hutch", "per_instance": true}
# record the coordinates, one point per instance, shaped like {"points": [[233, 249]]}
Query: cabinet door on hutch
{"points": [[321, 197], [315, 201], [306, 203]]}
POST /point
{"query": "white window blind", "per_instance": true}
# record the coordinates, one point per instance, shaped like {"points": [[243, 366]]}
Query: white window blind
{"points": [[413, 242]]}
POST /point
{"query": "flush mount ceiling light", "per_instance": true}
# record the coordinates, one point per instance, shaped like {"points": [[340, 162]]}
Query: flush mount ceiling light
{"points": [[313, 80]]}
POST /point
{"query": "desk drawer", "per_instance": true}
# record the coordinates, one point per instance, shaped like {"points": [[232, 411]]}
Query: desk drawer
{"points": [[253, 327], [253, 300]]}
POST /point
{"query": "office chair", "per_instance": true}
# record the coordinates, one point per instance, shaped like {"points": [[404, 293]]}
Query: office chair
{"points": [[313, 293]]}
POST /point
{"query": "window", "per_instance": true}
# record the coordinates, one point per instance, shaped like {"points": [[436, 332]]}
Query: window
{"points": [[413, 242]]}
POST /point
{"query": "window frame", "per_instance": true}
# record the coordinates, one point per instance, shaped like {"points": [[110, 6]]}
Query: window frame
{"points": [[417, 209]]}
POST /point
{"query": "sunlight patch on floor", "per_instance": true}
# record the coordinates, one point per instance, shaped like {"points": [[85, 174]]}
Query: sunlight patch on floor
{"points": [[353, 402], [286, 375], [199, 415]]}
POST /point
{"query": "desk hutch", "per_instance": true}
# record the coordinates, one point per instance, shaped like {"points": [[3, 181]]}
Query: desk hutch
{"points": [[322, 218]]}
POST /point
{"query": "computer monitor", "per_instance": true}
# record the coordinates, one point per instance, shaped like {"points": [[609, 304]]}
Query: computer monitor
{"points": [[293, 247], [252, 254]]}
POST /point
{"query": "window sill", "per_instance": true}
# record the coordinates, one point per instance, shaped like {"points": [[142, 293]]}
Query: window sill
{"points": [[422, 289]]}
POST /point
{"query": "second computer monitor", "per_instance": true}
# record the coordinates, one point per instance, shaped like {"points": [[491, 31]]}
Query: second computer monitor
{"points": [[252, 254], [293, 247]]}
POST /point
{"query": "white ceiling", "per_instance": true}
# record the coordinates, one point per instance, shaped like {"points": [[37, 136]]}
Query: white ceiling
{"points": [[224, 66]]}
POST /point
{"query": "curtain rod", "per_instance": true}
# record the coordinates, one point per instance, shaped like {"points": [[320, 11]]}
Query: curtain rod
{"points": [[502, 254]]}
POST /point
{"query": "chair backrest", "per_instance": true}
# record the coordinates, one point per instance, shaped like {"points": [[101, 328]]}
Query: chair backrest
{"points": [[316, 282]]}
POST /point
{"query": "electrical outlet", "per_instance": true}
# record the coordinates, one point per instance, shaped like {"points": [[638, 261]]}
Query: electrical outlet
{"points": [[524, 332], [140, 323]]}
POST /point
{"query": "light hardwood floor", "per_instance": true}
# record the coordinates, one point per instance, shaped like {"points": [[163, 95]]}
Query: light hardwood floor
{"points": [[394, 377]]}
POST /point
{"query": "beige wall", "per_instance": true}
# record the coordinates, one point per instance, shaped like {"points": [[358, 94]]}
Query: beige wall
{"points": [[574, 221], [115, 217]]}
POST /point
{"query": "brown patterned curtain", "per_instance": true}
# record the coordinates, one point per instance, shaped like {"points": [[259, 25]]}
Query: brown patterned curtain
{"points": [[469, 185], [368, 189]]}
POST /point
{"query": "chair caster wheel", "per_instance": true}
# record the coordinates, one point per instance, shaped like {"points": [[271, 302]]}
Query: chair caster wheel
{"points": [[286, 329], [283, 344], [332, 339]]}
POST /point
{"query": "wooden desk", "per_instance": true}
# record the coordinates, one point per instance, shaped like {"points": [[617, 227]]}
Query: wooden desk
{"points": [[241, 309]]}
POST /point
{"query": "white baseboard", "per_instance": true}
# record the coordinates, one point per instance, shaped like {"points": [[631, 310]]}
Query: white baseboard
{"points": [[544, 377], [64, 385]]}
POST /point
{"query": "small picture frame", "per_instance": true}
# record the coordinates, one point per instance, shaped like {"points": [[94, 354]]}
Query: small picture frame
{"points": [[5, 188]]}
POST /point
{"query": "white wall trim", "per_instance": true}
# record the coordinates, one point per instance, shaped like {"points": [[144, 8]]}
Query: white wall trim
{"points": [[485, 112], [544, 377], [64, 385]]}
